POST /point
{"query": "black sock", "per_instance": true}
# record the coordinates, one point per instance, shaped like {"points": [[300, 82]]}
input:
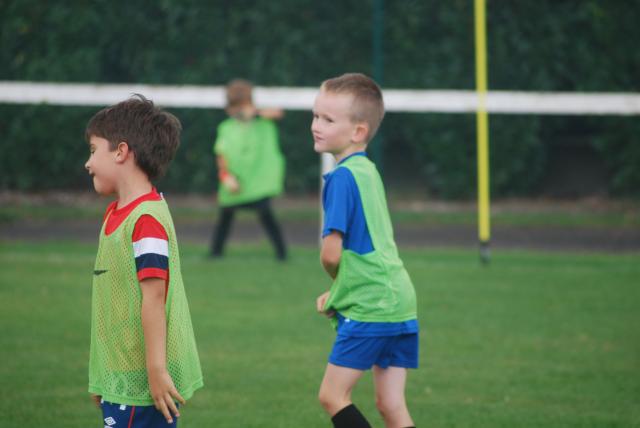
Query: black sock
{"points": [[349, 417]]}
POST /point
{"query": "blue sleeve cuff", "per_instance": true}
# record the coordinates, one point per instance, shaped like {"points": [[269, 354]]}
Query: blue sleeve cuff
{"points": [[326, 232]]}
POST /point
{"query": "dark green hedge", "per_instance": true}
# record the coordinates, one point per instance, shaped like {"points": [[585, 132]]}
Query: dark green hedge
{"points": [[544, 45]]}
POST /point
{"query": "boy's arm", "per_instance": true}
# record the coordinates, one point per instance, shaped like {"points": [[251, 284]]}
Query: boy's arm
{"points": [[154, 326], [330, 254], [226, 178], [271, 113]]}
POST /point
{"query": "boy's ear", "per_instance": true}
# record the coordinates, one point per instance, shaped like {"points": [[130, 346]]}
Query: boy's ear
{"points": [[360, 132], [122, 152]]}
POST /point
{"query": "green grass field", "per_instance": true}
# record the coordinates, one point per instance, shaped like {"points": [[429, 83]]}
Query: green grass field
{"points": [[534, 340]]}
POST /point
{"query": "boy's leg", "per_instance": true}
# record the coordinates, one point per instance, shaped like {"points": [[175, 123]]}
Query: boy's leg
{"points": [[335, 396], [222, 231], [271, 227], [390, 400]]}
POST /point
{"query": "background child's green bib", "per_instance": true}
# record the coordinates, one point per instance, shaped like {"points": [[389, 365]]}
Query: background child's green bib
{"points": [[253, 156]]}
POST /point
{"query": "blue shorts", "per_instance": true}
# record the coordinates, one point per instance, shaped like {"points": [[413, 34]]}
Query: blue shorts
{"points": [[383, 351], [121, 416]]}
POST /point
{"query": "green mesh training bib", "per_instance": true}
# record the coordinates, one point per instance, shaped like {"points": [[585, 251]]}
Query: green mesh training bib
{"points": [[117, 368], [373, 287], [253, 156]]}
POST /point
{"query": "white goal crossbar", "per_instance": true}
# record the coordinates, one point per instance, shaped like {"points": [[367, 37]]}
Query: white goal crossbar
{"points": [[290, 98]]}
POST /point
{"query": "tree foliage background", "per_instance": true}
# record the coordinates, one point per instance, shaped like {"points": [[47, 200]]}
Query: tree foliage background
{"points": [[547, 45]]}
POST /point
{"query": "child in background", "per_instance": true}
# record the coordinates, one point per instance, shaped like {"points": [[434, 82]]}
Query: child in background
{"points": [[372, 301], [143, 356], [250, 166]]}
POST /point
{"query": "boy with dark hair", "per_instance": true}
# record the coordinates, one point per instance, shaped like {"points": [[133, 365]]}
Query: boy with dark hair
{"points": [[143, 355], [250, 166], [372, 301]]}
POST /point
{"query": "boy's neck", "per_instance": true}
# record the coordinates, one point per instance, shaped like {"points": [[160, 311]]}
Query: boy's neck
{"points": [[132, 187], [354, 148], [246, 113]]}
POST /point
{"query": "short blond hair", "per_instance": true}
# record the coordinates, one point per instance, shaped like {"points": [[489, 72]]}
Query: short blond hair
{"points": [[368, 105], [239, 93]]}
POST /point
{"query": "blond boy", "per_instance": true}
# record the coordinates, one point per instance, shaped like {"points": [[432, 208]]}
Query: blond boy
{"points": [[372, 300]]}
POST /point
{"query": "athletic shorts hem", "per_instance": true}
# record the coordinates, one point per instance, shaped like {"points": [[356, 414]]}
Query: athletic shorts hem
{"points": [[403, 364], [349, 364]]}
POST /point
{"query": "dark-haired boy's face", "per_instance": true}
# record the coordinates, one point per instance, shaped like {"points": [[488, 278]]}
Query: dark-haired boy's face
{"points": [[332, 127], [101, 165]]}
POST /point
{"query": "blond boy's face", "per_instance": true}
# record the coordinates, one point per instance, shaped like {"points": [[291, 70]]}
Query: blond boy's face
{"points": [[101, 165], [332, 128]]}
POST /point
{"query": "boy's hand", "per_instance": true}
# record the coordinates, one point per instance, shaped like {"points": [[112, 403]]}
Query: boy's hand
{"points": [[164, 394], [231, 183], [96, 399], [320, 301], [226, 178]]}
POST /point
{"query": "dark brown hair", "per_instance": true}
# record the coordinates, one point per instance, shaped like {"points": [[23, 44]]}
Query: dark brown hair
{"points": [[153, 135], [239, 93], [367, 106]]}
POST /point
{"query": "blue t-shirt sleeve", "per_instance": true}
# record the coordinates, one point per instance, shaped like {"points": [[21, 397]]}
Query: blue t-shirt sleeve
{"points": [[337, 201]]}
